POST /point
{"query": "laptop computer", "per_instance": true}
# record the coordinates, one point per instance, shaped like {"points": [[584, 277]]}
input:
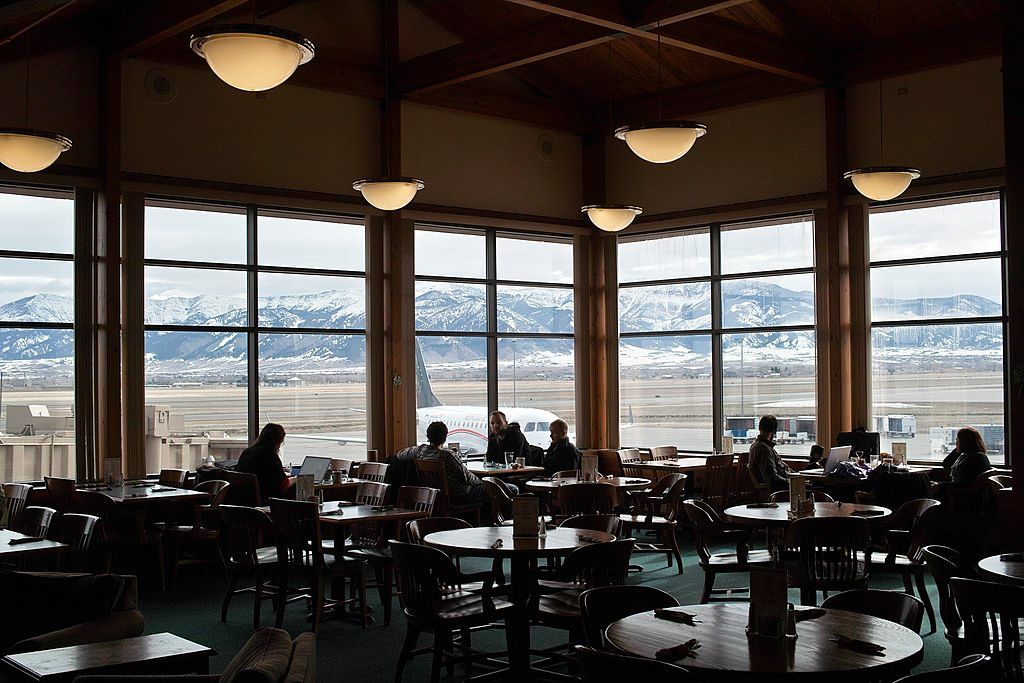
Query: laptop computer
{"points": [[836, 455], [316, 466]]}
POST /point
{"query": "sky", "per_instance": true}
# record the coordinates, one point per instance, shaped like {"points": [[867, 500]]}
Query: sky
{"points": [[46, 224]]}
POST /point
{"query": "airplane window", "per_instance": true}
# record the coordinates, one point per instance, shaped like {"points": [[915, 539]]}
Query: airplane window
{"points": [[530, 426], [543, 426]]}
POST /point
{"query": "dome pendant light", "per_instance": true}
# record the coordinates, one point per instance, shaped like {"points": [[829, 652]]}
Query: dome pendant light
{"points": [[252, 57], [882, 183], [388, 194], [611, 217], [663, 142]]}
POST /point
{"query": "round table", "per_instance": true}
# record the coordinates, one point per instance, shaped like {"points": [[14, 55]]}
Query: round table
{"points": [[1004, 571], [726, 650], [479, 542], [779, 516], [621, 483]]}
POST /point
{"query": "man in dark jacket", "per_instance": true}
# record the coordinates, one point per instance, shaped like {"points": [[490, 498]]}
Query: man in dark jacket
{"points": [[505, 437], [562, 454], [764, 462], [463, 486]]}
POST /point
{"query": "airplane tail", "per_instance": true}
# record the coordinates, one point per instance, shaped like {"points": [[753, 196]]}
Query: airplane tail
{"points": [[632, 421], [424, 395]]}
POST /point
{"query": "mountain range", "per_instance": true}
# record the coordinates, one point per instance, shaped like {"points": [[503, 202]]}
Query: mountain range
{"points": [[459, 308]]}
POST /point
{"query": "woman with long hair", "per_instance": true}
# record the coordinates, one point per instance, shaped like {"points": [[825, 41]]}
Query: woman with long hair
{"points": [[263, 458]]}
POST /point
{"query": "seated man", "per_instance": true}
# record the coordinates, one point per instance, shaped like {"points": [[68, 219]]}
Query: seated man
{"points": [[765, 463], [562, 454], [463, 486]]}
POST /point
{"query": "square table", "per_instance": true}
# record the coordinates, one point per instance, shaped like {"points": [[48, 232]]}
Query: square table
{"points": [[8, 551], [159, 653], [135, 493]]}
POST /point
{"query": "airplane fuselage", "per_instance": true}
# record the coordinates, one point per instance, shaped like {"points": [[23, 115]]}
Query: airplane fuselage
{"points": [[467, 425]]}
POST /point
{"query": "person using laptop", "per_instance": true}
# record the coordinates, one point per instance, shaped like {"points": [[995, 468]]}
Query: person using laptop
{"points": [[263, 459], [764, 461]]}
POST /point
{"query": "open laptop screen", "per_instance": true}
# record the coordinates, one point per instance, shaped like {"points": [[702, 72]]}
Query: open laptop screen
{"points": [[316, 466], [836, 455]]}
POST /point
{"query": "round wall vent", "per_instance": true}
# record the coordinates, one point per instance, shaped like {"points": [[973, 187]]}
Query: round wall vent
{"points": [[161, 86], [546, 146]]}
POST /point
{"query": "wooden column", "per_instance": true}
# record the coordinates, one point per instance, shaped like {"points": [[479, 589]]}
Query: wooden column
{"points": [[376, 430], [85, 352], [859, 298], [107, 268], [133, 357], [399, 269], [832, 275], [1013, 137]]}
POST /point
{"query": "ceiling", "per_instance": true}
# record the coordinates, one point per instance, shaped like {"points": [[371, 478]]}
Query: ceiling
{"points": [[577, 65]]}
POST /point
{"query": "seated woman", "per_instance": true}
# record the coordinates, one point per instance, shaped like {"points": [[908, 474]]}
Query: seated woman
{"points": [[264, 460], [965, 462]]}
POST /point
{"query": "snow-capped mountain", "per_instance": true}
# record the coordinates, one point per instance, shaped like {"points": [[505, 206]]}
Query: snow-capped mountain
{"points": [[459, 308]]}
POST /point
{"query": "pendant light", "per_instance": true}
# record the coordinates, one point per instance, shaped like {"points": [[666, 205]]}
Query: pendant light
{"points": [[665, 141], [26, 150], [882, 183], [252, 57], [389, 193], [612, 217]]}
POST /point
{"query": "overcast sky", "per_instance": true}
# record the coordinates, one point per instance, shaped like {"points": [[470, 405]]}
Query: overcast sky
{"points": [[46, 224]]}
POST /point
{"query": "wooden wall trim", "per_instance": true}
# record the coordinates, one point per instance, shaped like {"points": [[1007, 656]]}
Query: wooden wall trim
{"points": [[86, 466], [133, 361], [376, 380], [859, 298]]}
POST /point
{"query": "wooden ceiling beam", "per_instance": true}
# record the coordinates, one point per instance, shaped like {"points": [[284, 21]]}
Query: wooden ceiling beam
{"points": [[494, 54], [142, 25], [674, 11], [709, 36]]}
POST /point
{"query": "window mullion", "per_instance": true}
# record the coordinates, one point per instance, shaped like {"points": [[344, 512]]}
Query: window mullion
{"points": [[717, 387]]}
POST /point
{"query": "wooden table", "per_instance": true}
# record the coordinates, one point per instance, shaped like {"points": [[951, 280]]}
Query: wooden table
{"points": [[163, 653], [479, 542], [1003, 571], [621, 483], [133, 493], [343, 490], [478, 468], [727, 652], [351, 514], [686, 465], [8, 551], [779, 516]]}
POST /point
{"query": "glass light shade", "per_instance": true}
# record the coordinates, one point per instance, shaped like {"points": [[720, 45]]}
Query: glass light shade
{"points": [[663, 142], [611, 217], [882, 183], [388, 194], [251, 57], [29, 151]]}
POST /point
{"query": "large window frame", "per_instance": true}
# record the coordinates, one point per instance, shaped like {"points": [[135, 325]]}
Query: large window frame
{"points": [[717, 331], [1001, 254], [491, 284], [252, 330]]}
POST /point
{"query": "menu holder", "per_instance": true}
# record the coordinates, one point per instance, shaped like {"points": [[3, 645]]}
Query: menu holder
{"points": [[899, 453], [456, 449], [525, 512], [727, 445], [797, 492], [112, 471], [767, 614], [305, 487], [588, 466]]}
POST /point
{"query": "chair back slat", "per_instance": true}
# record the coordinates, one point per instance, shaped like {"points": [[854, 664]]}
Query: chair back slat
{"points": [[418, 498], [664, 453], [718, 480], [17, 499], [373, 471]]}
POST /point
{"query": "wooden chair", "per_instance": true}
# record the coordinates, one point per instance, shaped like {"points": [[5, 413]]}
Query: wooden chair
{"points": [[378, 556], [173, 478], [599, 607], [609, 524], [657, 511], [417, 529], [716, 489], [499, 501], [708, 529], [76, 530], [342, 465], [17, 499], [245, 488], [436, 602], [247, 555], [607, 460], [905, 540], [991, 613], [123, 531], [830, 557], [300, 553], [969, 667], [35, 520], [432, 473], [200, 530], [894, 606], [373, 471], [816, 495], [565, 474], [944, 564], [630, 463], [664, 453], [1001, 481], [747, 488], [598, 666], [61, 494], [584, 499], [371, 493]]}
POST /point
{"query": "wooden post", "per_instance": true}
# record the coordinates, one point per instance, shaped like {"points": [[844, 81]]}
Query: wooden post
{"points": [[376, 430], [86, 466], [134, 337]]}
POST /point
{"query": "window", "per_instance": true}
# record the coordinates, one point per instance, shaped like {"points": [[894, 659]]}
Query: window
{"points": [[680, 315], [37, 346], [937, 323], [494, 330], [234, 341]]}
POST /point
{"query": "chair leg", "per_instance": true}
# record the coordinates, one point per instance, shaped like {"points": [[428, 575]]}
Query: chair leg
{"points": [[908, 588], [232, 585], [807, 597], [673, 540], [709, 585], [923, 591], [257, 605], [160, 563], [412, 634], [438, 656], [318, 601], [364, 609], [279, 601], [389, 578]]}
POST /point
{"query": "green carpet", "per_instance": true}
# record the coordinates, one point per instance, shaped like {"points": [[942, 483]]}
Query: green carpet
{"points": [[346, 651]]}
